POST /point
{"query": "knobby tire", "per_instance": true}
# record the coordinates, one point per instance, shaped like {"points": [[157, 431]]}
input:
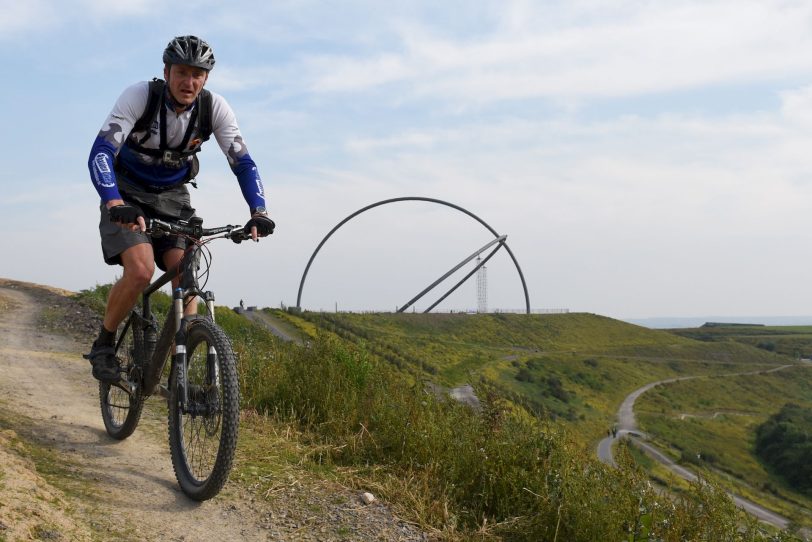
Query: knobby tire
{"points": [[120, 410], [202, 445]]}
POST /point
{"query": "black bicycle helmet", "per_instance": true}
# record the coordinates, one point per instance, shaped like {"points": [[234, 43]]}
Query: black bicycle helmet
{"points": [[191, 51]]}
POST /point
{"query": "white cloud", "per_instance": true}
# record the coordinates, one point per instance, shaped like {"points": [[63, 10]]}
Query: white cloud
{"points": [[797, 106], [123, 8], [654, 209], [630, 49], [22, 17], [672, 209], [33, 17]]}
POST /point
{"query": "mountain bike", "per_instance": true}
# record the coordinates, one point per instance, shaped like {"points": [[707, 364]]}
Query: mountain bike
{"points": [[202, 387]]}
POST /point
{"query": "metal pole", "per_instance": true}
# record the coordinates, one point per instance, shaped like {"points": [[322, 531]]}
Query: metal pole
{"points": [[451, 272]]}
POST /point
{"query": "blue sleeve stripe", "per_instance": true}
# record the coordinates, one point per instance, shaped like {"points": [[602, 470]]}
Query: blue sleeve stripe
{"points": [[100, 163], [250, 183]]}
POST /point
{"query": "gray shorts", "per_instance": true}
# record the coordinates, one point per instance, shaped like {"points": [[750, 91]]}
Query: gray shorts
{"points": [[173, 204]]}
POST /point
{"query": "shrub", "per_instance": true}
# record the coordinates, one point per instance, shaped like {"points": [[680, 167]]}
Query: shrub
{"points": [[784, 442], [501, 469]]}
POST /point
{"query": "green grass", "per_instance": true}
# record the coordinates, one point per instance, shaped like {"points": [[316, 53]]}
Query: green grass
{"points": [[525, 478], [355, 401], [793, 341], [597, 360], [717, 419]]}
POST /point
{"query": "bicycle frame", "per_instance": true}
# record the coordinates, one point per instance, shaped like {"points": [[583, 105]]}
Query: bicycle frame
{"points": [[156, 349]]}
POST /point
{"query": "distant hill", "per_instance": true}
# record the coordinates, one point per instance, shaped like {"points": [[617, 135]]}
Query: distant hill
{"points": [[575, 366], [667, 322], [792, 341]]}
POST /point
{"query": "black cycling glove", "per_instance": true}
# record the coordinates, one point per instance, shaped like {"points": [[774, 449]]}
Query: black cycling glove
{"points": [[265, 225], [124, 214]]}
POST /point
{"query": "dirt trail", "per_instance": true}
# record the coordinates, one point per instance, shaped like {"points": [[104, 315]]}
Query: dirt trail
{"points": [[120, 490]]}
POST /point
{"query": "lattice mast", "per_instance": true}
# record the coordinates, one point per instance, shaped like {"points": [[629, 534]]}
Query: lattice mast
{"points": [[481, 287]]}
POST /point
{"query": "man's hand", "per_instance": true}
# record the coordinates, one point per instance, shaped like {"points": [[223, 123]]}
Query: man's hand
{"points": [[126, 216], [259, 226]]}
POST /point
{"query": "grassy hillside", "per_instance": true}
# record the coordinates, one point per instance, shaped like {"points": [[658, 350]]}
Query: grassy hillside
{"points": [[710, 424], [494, 474], [793, 341], [489, 475], [576, 367]]}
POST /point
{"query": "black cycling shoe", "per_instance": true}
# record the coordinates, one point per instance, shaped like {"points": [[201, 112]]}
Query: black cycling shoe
{"points": [[105, 364]]}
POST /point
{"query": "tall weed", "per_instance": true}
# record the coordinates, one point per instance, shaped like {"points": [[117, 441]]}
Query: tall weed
{"points": [[496, 472]]}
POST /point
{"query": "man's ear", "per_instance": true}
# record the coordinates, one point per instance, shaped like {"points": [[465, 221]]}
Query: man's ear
{"points": [[166, 72]]}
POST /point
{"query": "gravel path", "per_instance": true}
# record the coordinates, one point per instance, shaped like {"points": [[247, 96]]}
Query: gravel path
{"points": [[100, 488]]}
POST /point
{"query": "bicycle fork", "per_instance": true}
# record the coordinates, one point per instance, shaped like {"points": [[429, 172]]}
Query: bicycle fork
{"points": [[181, 361], [180, 347]]}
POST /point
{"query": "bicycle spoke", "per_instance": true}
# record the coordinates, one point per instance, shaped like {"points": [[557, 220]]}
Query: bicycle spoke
{"points": [[121, 411], [203, 432]]}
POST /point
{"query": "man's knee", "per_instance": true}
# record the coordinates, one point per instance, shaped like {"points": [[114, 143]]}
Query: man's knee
{"points": [[139, 265], [173, 256]]}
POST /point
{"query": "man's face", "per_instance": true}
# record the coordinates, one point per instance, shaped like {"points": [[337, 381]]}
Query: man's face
{"points": [[185, 82]]}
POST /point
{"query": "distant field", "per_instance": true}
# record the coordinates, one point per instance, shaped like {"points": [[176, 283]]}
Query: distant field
{"points": [[793, 341], [576, 367], [710, 424]]}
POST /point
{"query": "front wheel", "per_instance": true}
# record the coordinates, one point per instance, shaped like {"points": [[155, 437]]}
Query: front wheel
{"points": [[203, 435]]}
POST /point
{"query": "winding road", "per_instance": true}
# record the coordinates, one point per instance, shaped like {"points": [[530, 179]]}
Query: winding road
{"points": [[627, 426]]}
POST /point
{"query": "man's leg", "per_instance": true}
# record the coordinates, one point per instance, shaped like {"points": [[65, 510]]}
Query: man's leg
{"points": [[139, 265], [172, 257]]}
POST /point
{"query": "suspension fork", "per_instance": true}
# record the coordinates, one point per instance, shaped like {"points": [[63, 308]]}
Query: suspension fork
{"points": [[180, 361], [208, 297], [211, 357], [181, 353]]}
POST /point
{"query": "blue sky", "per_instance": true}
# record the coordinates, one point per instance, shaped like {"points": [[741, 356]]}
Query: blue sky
{"points": [[644, 158]]}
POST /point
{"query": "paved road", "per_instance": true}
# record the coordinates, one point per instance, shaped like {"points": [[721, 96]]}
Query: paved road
{"points": [[626, 422], [627, 426]]}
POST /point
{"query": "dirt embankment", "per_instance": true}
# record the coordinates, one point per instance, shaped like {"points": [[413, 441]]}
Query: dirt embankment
{"points": [[63, 478]]}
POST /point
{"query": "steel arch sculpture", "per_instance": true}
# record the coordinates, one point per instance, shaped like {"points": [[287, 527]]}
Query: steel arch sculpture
{"points": [[499, 239]]}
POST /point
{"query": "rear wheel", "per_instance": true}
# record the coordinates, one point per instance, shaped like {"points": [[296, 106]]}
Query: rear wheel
{"points": [[121, 410], [202, 439]]}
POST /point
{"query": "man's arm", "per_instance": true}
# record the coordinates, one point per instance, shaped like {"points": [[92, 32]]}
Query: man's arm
{"points": [[227, 133], [115, 130]]}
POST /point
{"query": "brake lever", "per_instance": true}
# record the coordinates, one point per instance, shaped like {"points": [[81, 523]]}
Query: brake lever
{"points": [[238, 235]]}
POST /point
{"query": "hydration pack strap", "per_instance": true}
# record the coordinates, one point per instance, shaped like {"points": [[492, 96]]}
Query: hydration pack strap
{"points": [[163, 145], [154, 100]]}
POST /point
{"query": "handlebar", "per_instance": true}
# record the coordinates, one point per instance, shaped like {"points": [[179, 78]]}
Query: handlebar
{"points": [[194, 228]]}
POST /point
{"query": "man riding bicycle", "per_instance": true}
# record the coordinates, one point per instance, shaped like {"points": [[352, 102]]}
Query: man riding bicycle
{"points": [[140, 163]]}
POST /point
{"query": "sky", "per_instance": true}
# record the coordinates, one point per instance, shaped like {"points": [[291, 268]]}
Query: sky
{"points": [[644, 158]]}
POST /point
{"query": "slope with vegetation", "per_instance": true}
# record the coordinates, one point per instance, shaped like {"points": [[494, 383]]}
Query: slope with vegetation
{"points": [[575, 367], [784, 443], [355, 400], [792, 341], [711, 424]]}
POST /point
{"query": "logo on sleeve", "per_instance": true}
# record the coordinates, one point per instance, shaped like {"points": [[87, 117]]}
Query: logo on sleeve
{"points": [[260, 189], [103, 173]]}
